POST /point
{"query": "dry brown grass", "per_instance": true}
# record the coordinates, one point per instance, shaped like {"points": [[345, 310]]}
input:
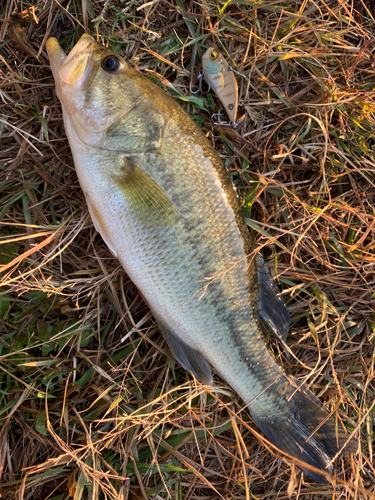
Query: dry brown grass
{"points": [[86, 415]]}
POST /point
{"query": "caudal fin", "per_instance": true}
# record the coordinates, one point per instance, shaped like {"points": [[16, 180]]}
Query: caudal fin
{"points": [[297, 428]]}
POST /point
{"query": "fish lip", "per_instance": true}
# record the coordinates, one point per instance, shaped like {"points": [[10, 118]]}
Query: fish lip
{"points": [[56, 55], [75, 68]]}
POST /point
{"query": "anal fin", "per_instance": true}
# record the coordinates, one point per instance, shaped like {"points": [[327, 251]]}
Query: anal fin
{"points": [[189, 358]]}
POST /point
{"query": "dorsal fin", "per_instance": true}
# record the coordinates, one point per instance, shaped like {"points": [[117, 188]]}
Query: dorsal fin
{"points": [[272, 310]]}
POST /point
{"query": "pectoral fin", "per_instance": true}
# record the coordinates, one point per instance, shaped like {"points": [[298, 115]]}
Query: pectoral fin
{"points": [[273, 312], [144, 194], [190, 359]]}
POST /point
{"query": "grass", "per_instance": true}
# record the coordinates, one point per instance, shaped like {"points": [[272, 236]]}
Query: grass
{"points": [[84, 415]]}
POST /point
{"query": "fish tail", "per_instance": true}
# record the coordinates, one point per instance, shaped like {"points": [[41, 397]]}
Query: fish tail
{"points": [[299, 426]]}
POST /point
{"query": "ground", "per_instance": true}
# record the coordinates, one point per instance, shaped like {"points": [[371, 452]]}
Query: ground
{"points": [[92, 403]]}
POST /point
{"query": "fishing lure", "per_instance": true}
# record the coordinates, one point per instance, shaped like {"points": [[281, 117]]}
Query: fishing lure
{"points": [[219, 75]]}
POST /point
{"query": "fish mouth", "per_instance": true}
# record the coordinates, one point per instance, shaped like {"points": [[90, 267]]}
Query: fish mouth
{"points": [[75, 69], [56, 55]]}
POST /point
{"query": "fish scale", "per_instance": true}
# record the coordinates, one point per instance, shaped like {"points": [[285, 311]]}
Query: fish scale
{"points": [[164, 203], [213, 230]]}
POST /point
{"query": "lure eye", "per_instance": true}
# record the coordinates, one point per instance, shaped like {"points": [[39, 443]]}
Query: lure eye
{"points": [[213, 54], [111, 64]]}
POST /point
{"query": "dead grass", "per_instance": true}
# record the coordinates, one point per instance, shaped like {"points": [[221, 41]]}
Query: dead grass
{"points": [[86, 415]]}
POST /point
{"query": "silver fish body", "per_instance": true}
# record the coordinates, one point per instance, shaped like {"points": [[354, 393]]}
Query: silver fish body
{"points": [[163, 202]]}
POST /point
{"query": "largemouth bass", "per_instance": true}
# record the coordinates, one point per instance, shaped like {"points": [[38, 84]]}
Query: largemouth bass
{"points": [[163, 202]]}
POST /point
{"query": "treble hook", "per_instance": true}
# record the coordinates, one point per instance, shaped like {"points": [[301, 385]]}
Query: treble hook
{"points": [[200, 85], [222, 124]]}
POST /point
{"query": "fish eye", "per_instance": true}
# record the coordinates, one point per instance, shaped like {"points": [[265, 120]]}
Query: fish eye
{"points": [[213, 54], [111, 64]]}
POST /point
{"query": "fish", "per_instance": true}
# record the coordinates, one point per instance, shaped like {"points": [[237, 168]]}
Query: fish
{"points": [[218, 75], [163, 202]]}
